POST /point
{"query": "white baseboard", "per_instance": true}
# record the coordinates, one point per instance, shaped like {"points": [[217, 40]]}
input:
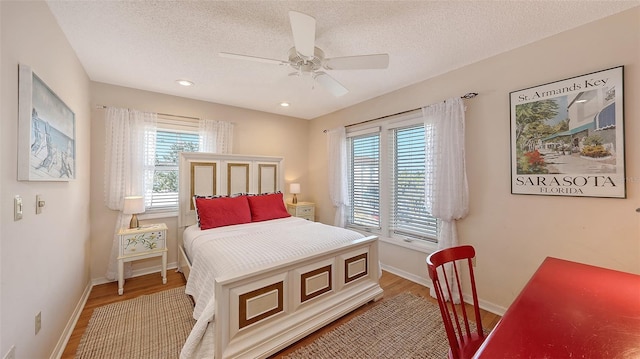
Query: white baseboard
{"points": [[137, 273], [406, 275], [491, 307], [71, 324], [488, 306]]}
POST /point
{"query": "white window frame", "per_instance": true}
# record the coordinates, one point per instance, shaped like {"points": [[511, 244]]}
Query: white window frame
{"points": [[171, 124], [384, 127]]}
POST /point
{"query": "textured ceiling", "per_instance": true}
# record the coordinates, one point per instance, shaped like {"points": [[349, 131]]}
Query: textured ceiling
{"points": [[149, 44]]}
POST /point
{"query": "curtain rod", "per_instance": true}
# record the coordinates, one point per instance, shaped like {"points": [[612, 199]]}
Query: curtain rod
{"points": [[465, 96], [102, 107]]}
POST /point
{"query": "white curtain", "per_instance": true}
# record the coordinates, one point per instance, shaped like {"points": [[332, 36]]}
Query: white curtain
{"points": [[446, 188], [338, 179], [129, 162], [216, 136]]}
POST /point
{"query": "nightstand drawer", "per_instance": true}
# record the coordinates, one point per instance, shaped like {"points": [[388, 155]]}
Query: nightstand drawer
{"points": [[137, 241], [306, 210], [142, 243]]}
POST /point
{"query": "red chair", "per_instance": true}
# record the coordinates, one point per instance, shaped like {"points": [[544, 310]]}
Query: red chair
{"points": [[463, 342]]}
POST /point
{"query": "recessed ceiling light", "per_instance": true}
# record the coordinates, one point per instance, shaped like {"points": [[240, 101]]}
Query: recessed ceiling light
{"points": [[284, 104], [184, 82], [581, 101]]}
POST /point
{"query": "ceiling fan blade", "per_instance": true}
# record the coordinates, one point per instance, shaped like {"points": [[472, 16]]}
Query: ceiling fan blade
{"points": [[303, 28], [331, 84], [377, 61], [252, 58]]}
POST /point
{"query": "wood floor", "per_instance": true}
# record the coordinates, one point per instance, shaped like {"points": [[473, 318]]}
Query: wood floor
{"points": [[108, 293], [104, 294]]}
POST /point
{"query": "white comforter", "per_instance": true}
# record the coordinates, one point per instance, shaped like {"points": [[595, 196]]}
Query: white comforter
{"points": [[224, 251]]}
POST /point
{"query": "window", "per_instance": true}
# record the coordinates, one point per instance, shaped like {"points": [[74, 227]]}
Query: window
{"points": [[172, 136], [409, 217], [387, 167], [364, 181]]}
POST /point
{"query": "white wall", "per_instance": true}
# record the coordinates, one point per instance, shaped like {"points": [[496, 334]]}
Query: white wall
{"points": [[514, 233], [44, 258], [1, 193], [255, 133]]}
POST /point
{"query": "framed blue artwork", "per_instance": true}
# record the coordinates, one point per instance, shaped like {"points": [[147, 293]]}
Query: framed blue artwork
{"points": [[46, 132]]}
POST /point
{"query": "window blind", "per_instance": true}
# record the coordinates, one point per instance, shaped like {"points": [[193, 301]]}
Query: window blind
{"points": [[409, 217], [172, 136], [365, 181]]}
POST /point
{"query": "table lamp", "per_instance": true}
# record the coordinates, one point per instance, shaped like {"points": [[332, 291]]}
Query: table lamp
{"points": [[294, 188], [133, 205]]}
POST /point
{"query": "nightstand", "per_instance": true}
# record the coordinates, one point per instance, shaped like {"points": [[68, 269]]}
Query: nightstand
{"points": [[306, 210], [139, 243]]}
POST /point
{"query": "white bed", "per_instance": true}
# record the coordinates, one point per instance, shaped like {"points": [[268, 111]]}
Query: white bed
{"points": [[269, 283]]}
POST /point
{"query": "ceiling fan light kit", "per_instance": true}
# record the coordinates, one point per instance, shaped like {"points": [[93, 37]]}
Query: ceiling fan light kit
{"points": [[307, 59], [306, 63]]}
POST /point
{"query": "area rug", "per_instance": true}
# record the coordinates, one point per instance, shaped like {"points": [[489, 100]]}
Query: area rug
{"points": [[150, 326], [402, 327]]}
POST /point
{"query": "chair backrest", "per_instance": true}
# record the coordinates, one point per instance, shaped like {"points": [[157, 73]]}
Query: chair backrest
{"points": [[463, 341]]}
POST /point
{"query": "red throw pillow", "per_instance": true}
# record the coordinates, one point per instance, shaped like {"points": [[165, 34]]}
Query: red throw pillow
{"points": [[225, 211], [267, 206]]}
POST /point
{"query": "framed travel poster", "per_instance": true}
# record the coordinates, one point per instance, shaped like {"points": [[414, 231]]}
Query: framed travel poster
{"points": [[567, 137], [46, 132]]}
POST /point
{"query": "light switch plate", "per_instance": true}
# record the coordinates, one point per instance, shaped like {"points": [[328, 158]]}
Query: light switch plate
{"points": [[17, 208], [39, 204]]}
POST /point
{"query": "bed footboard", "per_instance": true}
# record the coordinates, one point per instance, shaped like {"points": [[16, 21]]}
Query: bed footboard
{"points": [[261, 312]]}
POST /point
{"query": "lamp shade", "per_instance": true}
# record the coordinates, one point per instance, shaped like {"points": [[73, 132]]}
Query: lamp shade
{"points": [[133, 205], [294, 188]]}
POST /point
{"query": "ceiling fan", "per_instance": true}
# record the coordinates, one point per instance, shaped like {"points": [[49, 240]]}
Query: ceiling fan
{"points": [[306, 59]]}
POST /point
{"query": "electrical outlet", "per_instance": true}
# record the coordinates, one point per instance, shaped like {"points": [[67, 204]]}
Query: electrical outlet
{"points": [[38, 322], [11, 354]]}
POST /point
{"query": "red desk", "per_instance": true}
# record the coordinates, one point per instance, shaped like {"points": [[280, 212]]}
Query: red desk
{"points": [[570, 310]]}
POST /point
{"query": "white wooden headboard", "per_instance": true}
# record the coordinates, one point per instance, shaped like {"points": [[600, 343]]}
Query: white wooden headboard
{"points": [[208, 174]]}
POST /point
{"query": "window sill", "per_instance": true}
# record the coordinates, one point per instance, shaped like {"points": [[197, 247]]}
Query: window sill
{"points": [[416, 245], [157, 214]]}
